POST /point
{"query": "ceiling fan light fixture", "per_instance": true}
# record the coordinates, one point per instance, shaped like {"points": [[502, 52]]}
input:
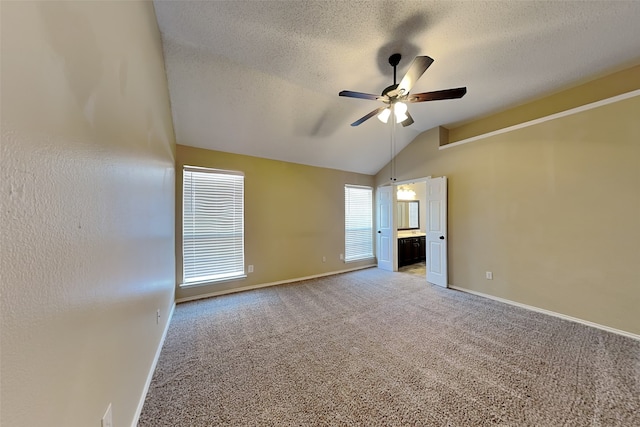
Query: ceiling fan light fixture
{"points": [[384, 115], [396, 93], [400, 111]]}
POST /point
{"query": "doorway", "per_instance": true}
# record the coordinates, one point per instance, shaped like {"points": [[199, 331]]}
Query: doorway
{"points": [[411, 225], [412, 228]]}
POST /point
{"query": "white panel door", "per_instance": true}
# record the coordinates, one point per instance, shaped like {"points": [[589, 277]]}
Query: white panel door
{"points": [[437, 231], [386, 229]]}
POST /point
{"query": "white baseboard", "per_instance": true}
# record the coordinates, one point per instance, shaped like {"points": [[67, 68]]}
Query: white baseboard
{"points": [[145, 390], [550, 313], [265, 285]]}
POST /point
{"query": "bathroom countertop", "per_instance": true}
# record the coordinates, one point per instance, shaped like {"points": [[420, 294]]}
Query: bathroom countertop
{"points": [[403, 234]]}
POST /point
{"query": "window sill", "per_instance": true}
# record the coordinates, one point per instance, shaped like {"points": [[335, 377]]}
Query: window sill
{"points": [[367, 258], [212, 282]]}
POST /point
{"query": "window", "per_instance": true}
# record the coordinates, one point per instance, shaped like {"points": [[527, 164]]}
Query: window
{"points": [[212, 225], [358, 222]]}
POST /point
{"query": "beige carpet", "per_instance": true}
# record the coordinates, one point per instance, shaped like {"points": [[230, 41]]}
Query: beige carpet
{"points": [[373, 348]]}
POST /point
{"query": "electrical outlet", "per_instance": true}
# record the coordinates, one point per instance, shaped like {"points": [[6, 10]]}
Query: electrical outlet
{"points": [[324, 259], [107, 419], [489, 275], [158, 317], [341, 257], [250, 269]]}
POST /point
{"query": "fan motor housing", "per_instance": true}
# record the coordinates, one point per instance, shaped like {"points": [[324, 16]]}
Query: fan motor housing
{"points": [[389, 89]]}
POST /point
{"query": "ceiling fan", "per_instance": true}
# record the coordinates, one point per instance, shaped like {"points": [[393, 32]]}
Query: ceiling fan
{"points": [[397, 95]]}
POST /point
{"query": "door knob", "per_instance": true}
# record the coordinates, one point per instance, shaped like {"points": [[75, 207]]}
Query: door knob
{"points": [[441, 237], [379, 232]]}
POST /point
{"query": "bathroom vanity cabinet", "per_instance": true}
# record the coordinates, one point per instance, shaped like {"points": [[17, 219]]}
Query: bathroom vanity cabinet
{"points": [[411, 250]]}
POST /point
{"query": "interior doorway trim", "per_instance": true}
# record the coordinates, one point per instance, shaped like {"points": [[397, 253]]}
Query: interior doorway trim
{"points": [[411, 181]]}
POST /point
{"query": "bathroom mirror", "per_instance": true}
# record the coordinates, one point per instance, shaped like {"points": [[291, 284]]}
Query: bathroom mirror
{"points": [[408, 214]]}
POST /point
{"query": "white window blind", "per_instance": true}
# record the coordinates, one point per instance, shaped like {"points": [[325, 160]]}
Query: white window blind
{"points": [[212, 225], [358, 222]]}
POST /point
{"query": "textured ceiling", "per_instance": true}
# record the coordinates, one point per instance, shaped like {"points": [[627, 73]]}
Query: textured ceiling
{"points": [[262, 77]]}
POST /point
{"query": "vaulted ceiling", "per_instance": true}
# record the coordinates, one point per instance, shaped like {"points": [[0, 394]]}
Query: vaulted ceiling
{"points": [[262, 78]]}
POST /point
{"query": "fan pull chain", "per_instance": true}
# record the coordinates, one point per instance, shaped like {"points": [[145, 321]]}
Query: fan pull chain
{"points": [[393, 145]]}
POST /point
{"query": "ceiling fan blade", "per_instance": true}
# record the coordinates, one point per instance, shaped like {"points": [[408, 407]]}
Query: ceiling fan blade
{"points": [[408, 121], [359, 95], [416, 69], [438, 95], [368, 116]]}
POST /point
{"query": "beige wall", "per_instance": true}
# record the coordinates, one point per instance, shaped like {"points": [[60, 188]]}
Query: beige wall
{"points": [[552, 210], [294, 215], [581, 94], [87, 192]]}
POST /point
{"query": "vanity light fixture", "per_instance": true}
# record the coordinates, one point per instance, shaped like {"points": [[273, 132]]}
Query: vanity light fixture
{"points": [[406, 194]]}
